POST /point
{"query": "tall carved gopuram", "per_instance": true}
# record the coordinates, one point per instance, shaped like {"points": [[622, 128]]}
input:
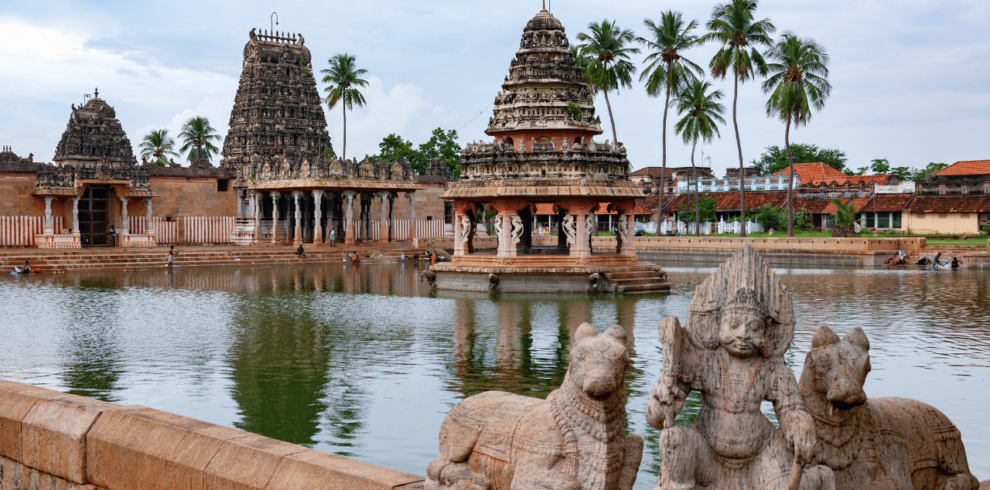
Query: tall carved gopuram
{"points": [[544, 156], [291, 186]]}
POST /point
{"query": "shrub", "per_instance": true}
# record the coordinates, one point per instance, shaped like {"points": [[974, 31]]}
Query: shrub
{"points": [[772, 217]]}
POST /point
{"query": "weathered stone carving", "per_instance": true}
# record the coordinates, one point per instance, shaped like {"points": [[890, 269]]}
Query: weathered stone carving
{"points": [[877, 443], [517, 230], [574, 440], [568, 223], [94, 134], [740, 323]]}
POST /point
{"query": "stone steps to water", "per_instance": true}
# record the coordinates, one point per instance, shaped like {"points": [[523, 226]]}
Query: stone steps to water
{"points": [[198, 257], [638, 282]]}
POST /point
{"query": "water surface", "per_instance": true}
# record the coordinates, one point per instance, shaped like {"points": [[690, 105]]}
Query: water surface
{"points": [[365, 362]]}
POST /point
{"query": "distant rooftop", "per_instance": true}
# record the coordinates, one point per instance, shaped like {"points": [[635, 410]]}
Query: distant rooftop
{"points": [[966, 167]]}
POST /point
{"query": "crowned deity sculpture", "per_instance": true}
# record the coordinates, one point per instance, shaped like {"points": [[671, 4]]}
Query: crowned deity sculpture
{"points": [[740, 323]]}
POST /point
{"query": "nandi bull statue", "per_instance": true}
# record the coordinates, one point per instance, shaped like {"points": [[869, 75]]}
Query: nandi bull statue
{"points": [[574, 440], [740, 323], [877, 443]]}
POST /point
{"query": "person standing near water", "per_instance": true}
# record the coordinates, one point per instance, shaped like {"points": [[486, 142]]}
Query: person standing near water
{"points": [[332, 238], [171, 257]]}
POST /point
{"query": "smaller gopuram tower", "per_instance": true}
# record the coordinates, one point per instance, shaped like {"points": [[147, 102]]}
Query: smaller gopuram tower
{"points": [[93, 135], [543, 157]]}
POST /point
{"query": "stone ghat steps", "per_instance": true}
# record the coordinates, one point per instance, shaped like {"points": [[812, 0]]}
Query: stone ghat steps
{"points": [[75, 262], [644, 282], [948, 252], [544, 260]]}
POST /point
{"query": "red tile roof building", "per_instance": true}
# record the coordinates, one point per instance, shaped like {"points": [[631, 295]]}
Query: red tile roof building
{"points": [[965, 168]]}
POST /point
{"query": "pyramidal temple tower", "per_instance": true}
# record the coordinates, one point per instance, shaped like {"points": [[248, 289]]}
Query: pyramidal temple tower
{"points": [[291, 186], [277, 111], [543, 160]]}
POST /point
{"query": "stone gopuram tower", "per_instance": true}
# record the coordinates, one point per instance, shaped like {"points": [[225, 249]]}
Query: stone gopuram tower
{"points": [[290, 185], [277, 111], [543, 157], [93, 135]]}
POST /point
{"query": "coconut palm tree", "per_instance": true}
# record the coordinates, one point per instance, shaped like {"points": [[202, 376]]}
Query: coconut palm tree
{"points": [[585, 64], [702, 114], [668, 70], [198, 136], [612, 69], [733, 25], [157, 146], [344, 78], [796, 84]]}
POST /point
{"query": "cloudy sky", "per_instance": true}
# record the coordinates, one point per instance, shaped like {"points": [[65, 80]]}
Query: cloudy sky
{"points": [[911, 78]]}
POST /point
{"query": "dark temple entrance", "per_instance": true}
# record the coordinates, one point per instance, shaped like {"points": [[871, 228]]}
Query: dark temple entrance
{"points": [[94, 217]]}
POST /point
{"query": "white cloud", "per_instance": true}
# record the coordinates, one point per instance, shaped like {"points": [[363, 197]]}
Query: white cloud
{"points": [[394, 111], [215, 106]]}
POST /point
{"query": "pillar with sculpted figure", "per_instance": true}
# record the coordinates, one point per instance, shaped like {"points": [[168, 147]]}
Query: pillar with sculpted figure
{"points": [[505, 221], [275, 196], [383, 226], [317, 216], [49, 222], [580, 209], [349, 217], [297, 236]]}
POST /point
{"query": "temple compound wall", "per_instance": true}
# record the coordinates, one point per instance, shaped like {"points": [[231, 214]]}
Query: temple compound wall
{"points": [[53, 440]]}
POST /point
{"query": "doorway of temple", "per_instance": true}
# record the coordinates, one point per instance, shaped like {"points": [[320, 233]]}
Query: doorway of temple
{"points": [[94, 217]]}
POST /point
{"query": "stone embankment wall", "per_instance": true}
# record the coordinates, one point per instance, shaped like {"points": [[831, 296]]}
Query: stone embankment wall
{"points": [[52, 440]]}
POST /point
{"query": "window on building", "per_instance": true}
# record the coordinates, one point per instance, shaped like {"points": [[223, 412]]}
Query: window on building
{"points": [[897, 219], [883, 220], [984, 219], [943, 215], [964, 216], [871, 221], [223, 185]]}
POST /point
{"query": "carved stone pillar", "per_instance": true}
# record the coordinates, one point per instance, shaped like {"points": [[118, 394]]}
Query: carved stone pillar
{"points": [[507, 217], [149, 223], [629, 247], [75, 215], [258, 205], [412, 215], [275, 196], [125, 227], [462, 230], [331, 197], [384, 225], [317, 216], [580, 210], [297, 239], [349, 217], [49, 222]]}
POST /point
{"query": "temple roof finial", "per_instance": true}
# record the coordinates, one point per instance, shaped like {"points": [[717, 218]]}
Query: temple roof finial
{"points": [[96, 93]]}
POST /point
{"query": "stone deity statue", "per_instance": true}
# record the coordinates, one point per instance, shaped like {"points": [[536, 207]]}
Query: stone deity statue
{"points": [[740, 323]]}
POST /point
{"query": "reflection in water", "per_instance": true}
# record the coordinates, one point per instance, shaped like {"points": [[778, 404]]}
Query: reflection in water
{"points": [[364, 361]]}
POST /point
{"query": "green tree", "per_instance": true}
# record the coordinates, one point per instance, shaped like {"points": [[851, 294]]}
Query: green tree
{"points": [[702, 114], [734, 26], [198, 136], [157, 146], [585, 64], [343, 79], [667, 69], [394, 148], [796, 84], [706, 207], [880, 166], [443, 146], [774, 158], [923, 174], [612, 70], [771, 217], [903, 173], [861, 171]]}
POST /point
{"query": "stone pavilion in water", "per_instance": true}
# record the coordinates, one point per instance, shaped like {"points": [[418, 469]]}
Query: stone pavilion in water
{"points": [[543, 155]]}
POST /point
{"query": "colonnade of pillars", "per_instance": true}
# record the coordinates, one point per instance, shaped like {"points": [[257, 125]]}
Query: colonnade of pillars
{"points": [[125, 226], [348, 229], [577, 224]]}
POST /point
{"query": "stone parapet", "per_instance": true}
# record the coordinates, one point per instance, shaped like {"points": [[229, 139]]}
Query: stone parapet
{"points": [[53, 440], [816, 245]]}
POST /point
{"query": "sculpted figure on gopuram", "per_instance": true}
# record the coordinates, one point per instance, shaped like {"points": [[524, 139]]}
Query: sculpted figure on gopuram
{"points": [[740, 323]]}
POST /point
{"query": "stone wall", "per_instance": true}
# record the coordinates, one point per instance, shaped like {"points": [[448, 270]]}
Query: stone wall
{"points": [[190, 196], [52, 440], [15, 195]]}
